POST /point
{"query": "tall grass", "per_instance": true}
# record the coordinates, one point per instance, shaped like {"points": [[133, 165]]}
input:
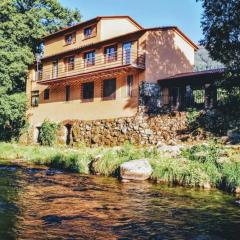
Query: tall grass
{"points": [[195, 166]]}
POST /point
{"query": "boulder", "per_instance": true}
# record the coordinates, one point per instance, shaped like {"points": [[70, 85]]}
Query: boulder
{"points": [[136, 170]]}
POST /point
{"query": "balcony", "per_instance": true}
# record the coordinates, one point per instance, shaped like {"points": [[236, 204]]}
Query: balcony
{"points": [[80, 67]]}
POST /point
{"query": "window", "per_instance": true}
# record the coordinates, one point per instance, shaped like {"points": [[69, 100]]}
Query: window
{"points": [[46, 94], [70, 38], [55, 69], [70, 63], [110, 53], [35, 98], [88, 91], [38, 72], [127, 49], [129, 85], [89, 32], [67, 93], [109, 89], [89, 58]]}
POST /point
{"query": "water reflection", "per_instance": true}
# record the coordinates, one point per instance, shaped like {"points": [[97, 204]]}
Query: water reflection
{"points": [[36, 203]]}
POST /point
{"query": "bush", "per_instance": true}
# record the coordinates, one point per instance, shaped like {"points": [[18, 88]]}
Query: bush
{"points": [[48, 133], [203, 153], [192, 118]]}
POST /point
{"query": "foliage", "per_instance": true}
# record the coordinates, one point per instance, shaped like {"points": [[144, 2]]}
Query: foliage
{"points": [[192, 118], [203, 60], [220, 24], [12, 115], [196, 166], [203, 153], [231, 173], [48, 133], [22, 24]]}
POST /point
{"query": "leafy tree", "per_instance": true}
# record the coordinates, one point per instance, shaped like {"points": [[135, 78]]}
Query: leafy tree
{"points": [[203, 60], [12, 115], [48, 133], [22, 24], [221, 28]]}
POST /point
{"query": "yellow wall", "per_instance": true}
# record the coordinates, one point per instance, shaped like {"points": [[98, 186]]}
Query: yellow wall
{"points": [[106, 28], [167, 54], [115, 27], [56, 109]]}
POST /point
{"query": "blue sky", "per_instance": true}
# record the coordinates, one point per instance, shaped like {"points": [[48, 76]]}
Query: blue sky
{"points": [[186, 14]]}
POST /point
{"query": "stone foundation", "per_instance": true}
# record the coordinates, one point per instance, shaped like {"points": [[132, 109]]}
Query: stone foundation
{"points": [[141, 129]]}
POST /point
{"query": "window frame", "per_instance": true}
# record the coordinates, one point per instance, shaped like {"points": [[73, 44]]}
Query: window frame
{"points": [[35, 95], [46, 94], [67, 93], [55, 63], [87, 99], [111, 56], [130, 82], [73, 38], [93, 32], [112, 96], [68, 64], [89, 62]]}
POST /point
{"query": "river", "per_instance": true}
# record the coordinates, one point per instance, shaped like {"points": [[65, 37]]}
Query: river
{"points": [[38, 203]]}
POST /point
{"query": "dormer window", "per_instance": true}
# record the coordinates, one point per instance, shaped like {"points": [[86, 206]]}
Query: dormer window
{"points": [[89, 32], [70, 38]]}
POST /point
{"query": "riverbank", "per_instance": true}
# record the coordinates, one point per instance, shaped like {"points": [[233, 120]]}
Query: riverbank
{"points": [[204, 165]]}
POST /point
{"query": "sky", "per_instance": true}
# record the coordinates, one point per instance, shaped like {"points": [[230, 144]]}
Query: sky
{"points": [[186, 14]]}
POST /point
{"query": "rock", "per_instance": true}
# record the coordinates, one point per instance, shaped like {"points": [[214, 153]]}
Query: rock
{"points": [[125, 180], [207, 186], [92, 165], [136, 170], [234, 136], [237, 202]]}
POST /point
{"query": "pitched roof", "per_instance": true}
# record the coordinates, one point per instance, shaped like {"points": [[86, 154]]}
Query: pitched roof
{"points": [[90, 21], [205, 73]]}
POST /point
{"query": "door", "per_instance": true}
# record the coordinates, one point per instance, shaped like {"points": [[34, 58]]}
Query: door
{"points": [[55, 69], [127, 47]]}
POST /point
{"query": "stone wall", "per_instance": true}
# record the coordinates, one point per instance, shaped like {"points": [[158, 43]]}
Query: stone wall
{"points": [[141, 129]]}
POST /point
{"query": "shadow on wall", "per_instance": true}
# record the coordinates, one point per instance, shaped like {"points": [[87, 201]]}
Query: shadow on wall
{"points": [[164, 56]]}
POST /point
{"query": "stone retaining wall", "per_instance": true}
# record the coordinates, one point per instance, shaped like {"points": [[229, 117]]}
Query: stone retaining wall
{"points": [[140, 129]]}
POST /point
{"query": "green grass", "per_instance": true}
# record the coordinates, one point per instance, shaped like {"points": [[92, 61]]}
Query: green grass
{"points": [[196, 166]]}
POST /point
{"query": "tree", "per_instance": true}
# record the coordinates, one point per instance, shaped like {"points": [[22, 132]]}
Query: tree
{"points": [[221, 28], [22, 24], [203, 61], [12, 115]]}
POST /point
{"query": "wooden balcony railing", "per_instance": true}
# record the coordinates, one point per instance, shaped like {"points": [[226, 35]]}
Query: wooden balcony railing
{"points": [[113, 60]]}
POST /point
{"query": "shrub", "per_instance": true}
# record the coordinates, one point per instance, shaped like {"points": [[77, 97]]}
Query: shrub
{"points": [[192, 118], [203, 153], [48, 133], [231, 175], [12, 115]]}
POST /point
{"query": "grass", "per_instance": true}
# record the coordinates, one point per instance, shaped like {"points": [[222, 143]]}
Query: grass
{"points": [[196, 166]]}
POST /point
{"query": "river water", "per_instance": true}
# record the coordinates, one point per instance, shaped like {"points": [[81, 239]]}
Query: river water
{"points": [[37, 203]]}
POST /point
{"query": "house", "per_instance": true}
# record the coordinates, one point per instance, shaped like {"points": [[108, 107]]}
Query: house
{"points": [[93, 70]]}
